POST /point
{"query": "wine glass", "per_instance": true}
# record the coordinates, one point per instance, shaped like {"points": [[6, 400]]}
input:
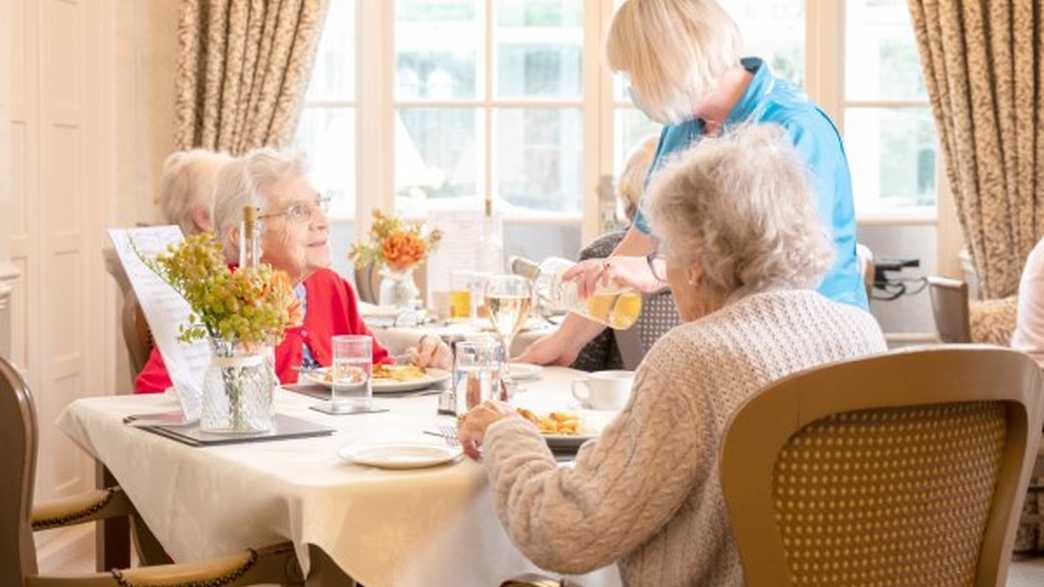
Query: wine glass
{"points": [[508, 299]]}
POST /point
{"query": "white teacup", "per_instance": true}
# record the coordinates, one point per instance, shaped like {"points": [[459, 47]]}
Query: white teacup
{"points": [[606, 390]]}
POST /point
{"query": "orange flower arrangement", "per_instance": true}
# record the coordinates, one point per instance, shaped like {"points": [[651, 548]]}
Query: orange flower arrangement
{"points": [[394, 242]]}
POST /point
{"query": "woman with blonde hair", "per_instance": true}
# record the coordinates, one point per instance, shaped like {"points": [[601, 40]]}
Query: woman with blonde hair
{"points": [[683, 67], [186, 191], [742, 250]]}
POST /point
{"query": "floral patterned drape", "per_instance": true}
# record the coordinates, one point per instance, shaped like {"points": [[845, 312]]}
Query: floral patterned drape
{"points": [[984, 68], [243, 68]]}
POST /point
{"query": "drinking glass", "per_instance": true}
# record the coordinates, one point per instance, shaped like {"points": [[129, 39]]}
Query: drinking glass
{"points": [[352, 366], [460, 294], [508, 299], [477, 365]]}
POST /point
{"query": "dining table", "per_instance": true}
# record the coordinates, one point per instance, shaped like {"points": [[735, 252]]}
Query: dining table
{"points": [[428, 526]]}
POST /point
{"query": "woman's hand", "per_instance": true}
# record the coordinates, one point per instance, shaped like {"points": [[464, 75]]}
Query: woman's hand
{"points": [[551, 349], [471, 429], [431, 352], [630, 272]]}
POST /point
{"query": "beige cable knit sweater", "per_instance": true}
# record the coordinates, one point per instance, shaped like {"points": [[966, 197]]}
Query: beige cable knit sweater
{"points": [[647, 493]]}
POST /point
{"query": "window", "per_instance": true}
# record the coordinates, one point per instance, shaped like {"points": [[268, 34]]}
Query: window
{"points": [[488, 101], [326, 130], [889, 129], [445, 102]]}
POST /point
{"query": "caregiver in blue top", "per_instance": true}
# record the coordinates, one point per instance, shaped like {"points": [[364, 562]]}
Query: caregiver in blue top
{"points": [[682, 63]]}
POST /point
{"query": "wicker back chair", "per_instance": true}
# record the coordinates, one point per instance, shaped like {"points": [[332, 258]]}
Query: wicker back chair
{"points": [[900, 469], [659, 315], [19, 519]]}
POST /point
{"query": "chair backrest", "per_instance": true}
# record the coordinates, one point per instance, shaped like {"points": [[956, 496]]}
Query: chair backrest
{"points": [[18, 435], [865, 259], [902, 468], [368, 282], [950, 309], [136, 334], [659, 315]]}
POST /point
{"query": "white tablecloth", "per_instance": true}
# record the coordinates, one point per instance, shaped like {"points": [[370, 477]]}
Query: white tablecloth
{"points": [[423, 527]]}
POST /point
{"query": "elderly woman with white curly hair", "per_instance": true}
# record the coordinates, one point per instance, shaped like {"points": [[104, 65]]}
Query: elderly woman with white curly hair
{"points": [[295, 240], [743, 252]]}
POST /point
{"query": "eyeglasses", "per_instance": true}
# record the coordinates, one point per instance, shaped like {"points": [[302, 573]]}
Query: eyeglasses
{"points": [[302, 211], [657, 261]]}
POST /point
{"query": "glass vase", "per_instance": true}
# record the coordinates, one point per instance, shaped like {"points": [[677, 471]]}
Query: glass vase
{"points": [[398, 289], [238, 389]]}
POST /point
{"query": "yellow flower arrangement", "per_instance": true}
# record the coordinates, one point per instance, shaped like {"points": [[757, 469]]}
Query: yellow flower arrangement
{"points": [[394, 242], [248, 306]]}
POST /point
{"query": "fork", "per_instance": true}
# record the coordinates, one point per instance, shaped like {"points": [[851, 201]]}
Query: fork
{"points": [[449, 434]]}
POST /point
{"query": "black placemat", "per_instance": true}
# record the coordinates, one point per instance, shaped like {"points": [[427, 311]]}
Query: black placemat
{"points": [[283, 428]]}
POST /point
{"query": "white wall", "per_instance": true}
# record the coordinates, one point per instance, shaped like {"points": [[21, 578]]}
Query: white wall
{"points": [[86, 118], [55, 126], [8, 273], [144, 60]]}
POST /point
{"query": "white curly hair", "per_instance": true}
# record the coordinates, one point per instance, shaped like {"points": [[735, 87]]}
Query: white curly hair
{"points": [[742, 206]]}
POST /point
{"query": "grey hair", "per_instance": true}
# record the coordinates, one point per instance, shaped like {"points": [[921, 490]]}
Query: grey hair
{"points": [[243, 182], [187, 182], [742, 207]]}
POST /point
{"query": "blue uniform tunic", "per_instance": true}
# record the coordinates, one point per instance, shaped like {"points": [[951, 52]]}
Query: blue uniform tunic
{"points": [[771, 100]]}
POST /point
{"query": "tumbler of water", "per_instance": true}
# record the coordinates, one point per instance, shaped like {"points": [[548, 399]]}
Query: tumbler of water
{"points": [[476, 372], [351, 369]]}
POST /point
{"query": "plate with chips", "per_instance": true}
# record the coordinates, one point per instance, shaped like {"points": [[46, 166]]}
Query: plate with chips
{"points": [[562, 430], [389, 378]]}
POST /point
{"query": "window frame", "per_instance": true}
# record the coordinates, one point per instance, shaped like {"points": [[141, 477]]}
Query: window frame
{"points": [[824, 82]]}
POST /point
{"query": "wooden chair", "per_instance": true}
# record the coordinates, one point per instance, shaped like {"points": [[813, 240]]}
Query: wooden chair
{"points": [[950, 309], [19, 519], [136, 334], [368, 282], [905, 468]]}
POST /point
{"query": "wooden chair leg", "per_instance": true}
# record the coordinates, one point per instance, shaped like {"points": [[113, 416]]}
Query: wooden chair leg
{"points": [[112, 536]]}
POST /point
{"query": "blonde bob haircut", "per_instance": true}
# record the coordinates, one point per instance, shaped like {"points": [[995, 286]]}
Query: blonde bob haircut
{"points": [[741, 206], [674, 52]]}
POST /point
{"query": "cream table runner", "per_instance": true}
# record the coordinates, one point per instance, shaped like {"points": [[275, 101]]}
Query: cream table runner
{"points": [[423, 527]]}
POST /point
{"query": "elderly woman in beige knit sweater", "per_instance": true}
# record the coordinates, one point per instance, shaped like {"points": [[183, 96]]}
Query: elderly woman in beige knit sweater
{"points": [[743, 251]]}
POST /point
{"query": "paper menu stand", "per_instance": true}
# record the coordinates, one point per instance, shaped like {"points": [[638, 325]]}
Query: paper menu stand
{"points": [[461, 232], [165, 311]]}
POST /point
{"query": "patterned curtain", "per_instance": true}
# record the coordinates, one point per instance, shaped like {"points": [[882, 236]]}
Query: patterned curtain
{"points": [[243, 68], [984, 68]]}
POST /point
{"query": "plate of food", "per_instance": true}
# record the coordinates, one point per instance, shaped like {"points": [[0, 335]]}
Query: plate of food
{"points": [[388, 378], [561, 430]]}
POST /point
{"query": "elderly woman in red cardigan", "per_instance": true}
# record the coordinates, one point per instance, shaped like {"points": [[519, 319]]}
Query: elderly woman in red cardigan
{"points": [[295, 240]]}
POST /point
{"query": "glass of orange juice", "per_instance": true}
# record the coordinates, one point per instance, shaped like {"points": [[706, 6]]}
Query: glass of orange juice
{"points": [[460, 294]]}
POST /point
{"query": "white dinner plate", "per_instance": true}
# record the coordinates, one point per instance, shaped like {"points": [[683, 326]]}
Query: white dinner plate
{"points": [[432, 377], [520, 371], [399, 455]]}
